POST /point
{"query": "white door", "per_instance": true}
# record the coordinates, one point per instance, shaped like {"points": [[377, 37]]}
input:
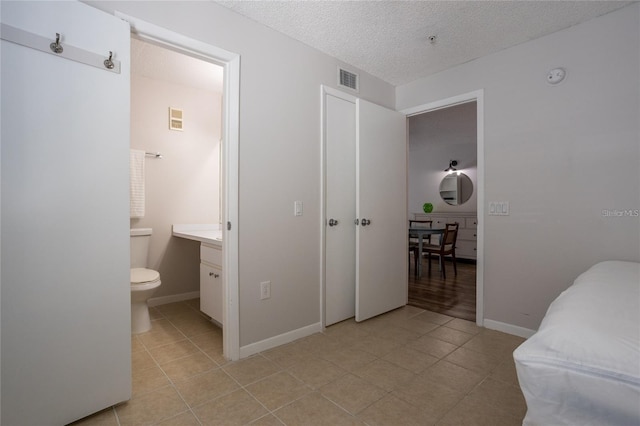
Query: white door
{"points": [[381, 239], [66, 336], [340, 207]]}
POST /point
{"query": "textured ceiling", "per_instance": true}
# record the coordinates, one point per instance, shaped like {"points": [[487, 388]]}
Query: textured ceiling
{"points": [[151, 61], [389, 39]]}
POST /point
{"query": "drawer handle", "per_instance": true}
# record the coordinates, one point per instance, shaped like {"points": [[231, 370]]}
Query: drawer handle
{"points": [[214, 275]]}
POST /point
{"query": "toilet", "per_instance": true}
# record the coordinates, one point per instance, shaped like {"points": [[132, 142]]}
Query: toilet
{"points": [[144, 282]]}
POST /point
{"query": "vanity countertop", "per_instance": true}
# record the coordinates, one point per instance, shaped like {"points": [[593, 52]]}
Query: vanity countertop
{"points": [[208, 234]]}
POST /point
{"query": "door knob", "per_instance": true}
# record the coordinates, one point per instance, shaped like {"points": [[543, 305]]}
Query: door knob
{"points": [[333, 222], [365, 222], [214, 275]]}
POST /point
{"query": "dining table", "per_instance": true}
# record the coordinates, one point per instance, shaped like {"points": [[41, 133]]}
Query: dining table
{"points": [[420, 233]]}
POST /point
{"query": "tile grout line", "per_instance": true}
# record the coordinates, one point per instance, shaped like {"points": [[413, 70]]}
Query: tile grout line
{"points": [[169, 378], [115, 413], [240, 386], [243, 387], [405, 344], [171, 382], [218, 366], [376, 358]]}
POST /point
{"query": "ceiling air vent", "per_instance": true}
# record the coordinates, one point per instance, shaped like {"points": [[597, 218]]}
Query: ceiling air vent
{"points": [[347, 79]]}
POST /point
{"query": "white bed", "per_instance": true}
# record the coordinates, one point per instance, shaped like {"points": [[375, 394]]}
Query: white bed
{"points": [[582, 367]]}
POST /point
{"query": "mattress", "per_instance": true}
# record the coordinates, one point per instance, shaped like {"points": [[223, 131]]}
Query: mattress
{"points": [[582, 367]]}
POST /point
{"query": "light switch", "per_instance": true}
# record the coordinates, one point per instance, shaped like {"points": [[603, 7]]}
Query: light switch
{"points": [[297, 208], [492, 208], [505, 208], [498, 208]]}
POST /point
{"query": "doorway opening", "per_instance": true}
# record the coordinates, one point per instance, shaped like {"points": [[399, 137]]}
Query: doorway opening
{"points": [[228, 164], [440, 133], [176, 118]]}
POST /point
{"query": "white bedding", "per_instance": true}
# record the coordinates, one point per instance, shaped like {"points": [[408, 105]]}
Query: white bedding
{"points": [[582, 367]]}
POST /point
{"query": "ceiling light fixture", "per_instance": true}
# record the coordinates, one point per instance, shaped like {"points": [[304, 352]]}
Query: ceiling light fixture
{"points": [[451, 168]]}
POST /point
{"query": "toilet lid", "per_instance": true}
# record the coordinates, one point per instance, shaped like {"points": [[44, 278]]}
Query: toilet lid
{"points": [[143, 275]]}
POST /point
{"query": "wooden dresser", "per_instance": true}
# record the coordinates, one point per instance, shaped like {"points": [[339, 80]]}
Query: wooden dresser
{"points": [[466, 244]]}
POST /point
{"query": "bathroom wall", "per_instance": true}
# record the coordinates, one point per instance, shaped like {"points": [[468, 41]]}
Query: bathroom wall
{"points": [[435, 138], [183, 186]]}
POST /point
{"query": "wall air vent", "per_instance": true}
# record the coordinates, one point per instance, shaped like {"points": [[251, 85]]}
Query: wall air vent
{"points": [[175, 119], [347, 79]]}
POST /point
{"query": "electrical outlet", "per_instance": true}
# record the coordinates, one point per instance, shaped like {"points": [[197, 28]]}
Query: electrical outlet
{"points": [[265, 290]]}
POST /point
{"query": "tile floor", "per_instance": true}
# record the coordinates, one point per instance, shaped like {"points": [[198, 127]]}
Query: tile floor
{"points": [[407, 367]]}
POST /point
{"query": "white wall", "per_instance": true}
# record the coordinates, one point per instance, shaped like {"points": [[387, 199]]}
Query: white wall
{"points": [[279, 157], [184, 186], [435, 138], [559, 155]]}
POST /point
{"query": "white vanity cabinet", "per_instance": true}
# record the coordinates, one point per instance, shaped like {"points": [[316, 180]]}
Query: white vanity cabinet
{"points": [[466, 243], [211, 281]]}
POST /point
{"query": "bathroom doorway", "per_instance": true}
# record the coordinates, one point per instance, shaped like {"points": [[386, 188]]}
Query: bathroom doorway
{"points": [[223, 157], [176, 119]]}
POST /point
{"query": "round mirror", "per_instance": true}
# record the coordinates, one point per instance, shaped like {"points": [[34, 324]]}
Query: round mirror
{"points": [[456, 189]]}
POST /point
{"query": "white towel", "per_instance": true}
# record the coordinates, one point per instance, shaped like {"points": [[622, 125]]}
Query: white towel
{"points": [[136, 183]]}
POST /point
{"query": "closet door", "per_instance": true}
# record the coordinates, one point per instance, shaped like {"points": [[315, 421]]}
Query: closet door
{"points": [[340, 207], [66, 329], [381, 207]]}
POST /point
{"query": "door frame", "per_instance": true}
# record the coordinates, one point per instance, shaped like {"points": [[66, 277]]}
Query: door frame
{"points": [[230, 159], [478, 97]]}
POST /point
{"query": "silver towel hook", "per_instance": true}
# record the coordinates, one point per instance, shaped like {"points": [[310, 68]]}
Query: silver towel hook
{"points": [[108, 63], [56, 47]]}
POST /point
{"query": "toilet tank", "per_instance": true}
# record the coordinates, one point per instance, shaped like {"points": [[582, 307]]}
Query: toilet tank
{"points": [[139, 239]]}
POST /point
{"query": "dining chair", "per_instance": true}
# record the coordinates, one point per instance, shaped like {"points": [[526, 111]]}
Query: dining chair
{"points": [[413, 241], [446, 247]]}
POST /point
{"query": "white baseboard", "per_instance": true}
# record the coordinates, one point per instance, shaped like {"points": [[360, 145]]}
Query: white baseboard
{"points": [[278, 340], [163, 300], [508, 328]]}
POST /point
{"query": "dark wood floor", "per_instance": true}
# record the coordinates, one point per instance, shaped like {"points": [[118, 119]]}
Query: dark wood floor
{"points": [[455, 296]]}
